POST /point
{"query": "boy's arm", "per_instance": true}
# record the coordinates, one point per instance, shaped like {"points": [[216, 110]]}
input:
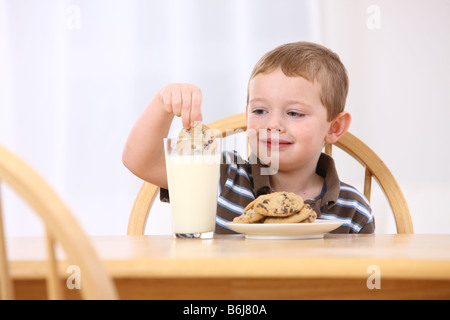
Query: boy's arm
{"points": [[143, 153]]}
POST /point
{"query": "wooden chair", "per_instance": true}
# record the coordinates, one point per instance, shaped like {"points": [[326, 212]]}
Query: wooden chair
{"points": [[374, 168], [60, 226]]}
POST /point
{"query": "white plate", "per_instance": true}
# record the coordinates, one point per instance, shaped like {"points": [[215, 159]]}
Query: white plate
{"points": [[285, 230]]}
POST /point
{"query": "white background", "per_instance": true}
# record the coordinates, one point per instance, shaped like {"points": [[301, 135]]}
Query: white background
{"points": [[75, 75]]}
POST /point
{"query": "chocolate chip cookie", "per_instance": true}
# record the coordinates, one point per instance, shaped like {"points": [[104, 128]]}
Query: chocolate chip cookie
{"points": [[277, 207], [198, 138], [278, 204], [306, 215], [249, 216]]}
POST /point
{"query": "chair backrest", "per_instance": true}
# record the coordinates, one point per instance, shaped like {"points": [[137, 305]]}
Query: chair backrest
{"points": [[61, 227], [374, 168]]}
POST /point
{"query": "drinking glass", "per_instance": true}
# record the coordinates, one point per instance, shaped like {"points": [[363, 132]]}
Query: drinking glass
{"points": [[193, 179]]}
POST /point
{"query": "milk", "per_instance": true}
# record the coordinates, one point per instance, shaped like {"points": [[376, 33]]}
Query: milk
{"points": [[193, 189]]}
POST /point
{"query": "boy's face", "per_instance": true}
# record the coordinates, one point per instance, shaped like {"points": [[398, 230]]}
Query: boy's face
{"points": [[291, 107]]}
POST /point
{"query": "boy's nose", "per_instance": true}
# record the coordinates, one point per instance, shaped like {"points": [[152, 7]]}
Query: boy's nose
{"points": [[275, 123]]}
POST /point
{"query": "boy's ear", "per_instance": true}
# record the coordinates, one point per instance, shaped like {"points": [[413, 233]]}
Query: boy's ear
{"points": [[338, 127]]}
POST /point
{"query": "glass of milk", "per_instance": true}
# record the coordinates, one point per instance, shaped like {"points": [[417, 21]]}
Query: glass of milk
{"points": [[193, 178]]}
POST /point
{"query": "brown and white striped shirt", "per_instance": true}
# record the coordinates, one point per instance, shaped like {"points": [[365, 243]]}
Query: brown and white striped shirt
{"points": [[241, 182]]}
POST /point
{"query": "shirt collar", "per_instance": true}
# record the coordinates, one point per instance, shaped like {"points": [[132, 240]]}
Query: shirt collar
{"points": [[325, 168], [261, 182]]}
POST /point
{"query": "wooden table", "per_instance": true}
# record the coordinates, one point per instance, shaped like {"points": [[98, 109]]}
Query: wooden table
{"points": [[232, 267]]}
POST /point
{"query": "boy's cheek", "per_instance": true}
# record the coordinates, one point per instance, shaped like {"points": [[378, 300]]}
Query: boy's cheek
{"points": [[254, 122], [256, 147], [252, 139]]}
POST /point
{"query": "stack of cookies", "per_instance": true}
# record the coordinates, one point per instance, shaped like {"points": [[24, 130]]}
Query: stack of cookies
{"points": [[277, 207]]}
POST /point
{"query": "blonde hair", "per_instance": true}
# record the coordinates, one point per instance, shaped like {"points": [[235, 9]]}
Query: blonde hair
{"points": [[314, 63]]}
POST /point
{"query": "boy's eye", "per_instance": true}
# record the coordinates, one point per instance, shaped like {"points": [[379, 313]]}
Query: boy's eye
{"points": [[259, 111], [295, 114]]}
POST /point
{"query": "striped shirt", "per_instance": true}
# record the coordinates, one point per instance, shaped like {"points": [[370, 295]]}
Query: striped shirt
{"points": [[241, 183]]}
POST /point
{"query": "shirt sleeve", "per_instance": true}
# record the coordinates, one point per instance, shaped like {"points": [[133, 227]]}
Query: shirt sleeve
{"points": [[164, 195]]}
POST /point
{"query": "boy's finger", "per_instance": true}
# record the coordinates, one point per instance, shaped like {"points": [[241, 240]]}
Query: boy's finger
{"points": [[186, 109], [176, 103], [196, 114]]}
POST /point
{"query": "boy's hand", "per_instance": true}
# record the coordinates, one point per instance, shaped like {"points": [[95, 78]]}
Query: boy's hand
{"points": [[182, 100]]}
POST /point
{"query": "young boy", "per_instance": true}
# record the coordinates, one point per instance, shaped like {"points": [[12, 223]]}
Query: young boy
{"points": [[295, 104]]}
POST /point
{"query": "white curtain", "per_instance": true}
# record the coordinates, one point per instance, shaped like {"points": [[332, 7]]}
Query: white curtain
{"points": [[76, 74]]}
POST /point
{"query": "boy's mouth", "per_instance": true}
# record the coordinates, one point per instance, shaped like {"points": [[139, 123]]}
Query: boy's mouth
{"points": [[275, 143]]}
